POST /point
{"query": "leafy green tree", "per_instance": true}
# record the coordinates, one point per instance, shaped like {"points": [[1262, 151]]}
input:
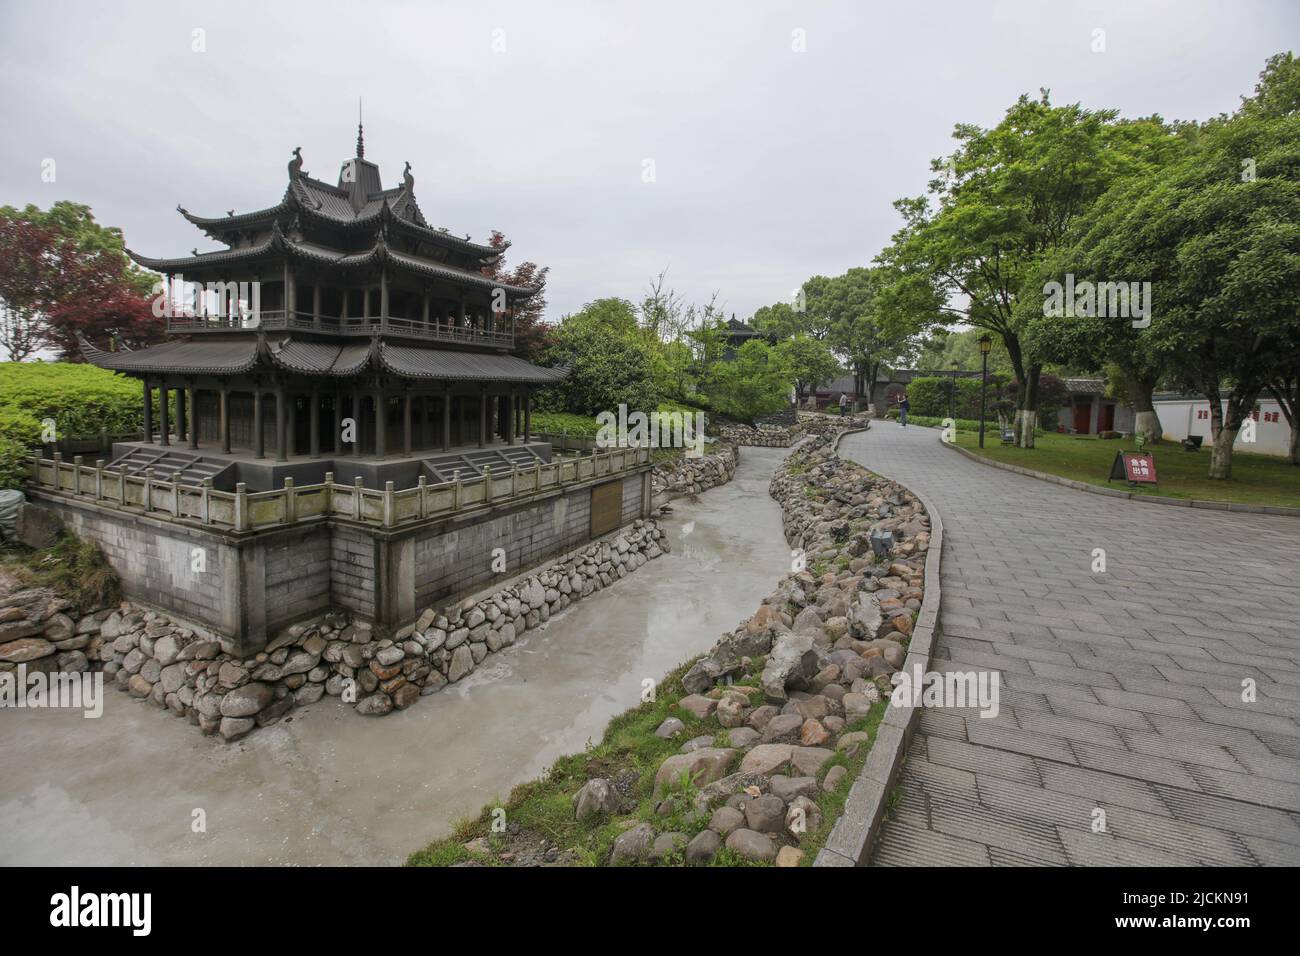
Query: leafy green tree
{"points": [[754, 383], [612, 362], [810, 362], [1006, 197]]}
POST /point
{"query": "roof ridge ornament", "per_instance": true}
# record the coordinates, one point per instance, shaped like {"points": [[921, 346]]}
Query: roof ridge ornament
{"points": [[408, 181], [361, 140], [295, 164]]}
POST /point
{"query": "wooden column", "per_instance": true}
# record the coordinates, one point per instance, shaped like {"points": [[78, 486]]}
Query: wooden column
{"points": [[424, 311], [482, 417], [291, 424], [512, 425], [381, 425], [180, 415], [446, 419], [223, 418], [356, 423], [528, 414], [148, 411], [315, 416], [383, 298], [259, 423], [164, 399], [460, 315], [406, 424], [365, 304], [338, 423], [279, 423], [315, 304], [192, 395]]}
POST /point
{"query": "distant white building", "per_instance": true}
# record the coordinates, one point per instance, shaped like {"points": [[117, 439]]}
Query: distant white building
{"points": [[1182, 416]]}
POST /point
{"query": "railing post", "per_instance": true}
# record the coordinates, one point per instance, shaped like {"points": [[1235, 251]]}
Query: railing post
{"points": [[455, 490], [148, 490], [58, 471], [99, 479], [514, 481], [356, 499], [241, 507], [487, 483], [388, 504], [290, 502], [537, 475], [76, 474], [564, 438], [121, 485], [424, 491], [176, 494], [206, 512], [328, 493], [36, 469]]}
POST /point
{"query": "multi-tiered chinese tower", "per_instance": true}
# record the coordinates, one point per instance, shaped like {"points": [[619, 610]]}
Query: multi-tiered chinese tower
{"points": [[338, 331]]}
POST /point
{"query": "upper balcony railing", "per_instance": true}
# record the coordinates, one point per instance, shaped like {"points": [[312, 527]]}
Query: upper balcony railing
{"points": [[352, 325]]}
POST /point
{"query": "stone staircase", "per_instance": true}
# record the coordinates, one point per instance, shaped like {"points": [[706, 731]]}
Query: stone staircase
{"points": [[171, 465], [470, 464]]}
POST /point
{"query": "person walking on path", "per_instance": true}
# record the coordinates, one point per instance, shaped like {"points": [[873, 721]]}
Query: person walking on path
{"points": [[903, 407], [844, 403]]}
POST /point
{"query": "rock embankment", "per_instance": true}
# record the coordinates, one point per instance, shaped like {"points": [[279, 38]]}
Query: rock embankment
{"points": [[690, 476], [186, 671], [775, 718], [761, 436]]}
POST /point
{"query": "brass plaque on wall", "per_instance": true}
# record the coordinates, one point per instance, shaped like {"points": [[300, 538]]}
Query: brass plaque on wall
{"points": [[606, 507]]}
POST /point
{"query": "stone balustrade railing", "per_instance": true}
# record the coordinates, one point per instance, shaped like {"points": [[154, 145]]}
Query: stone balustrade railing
{"points": [[244, 511]]}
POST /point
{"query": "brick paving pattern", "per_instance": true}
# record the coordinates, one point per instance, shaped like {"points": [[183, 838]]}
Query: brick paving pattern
{"points": [[1119, 690]]}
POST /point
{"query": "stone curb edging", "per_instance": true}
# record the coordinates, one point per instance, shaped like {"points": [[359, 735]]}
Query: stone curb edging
{"points": [[853, 837], [1131, 496]]}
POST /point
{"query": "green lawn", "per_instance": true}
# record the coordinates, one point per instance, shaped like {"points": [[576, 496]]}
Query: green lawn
{"points": [[1256, 479]]}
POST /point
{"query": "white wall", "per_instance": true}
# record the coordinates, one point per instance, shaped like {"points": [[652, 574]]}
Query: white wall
{"points": [[1180, 418]]}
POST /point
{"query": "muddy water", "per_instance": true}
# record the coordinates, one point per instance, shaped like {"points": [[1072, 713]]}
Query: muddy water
{"points": [[329, 787]]}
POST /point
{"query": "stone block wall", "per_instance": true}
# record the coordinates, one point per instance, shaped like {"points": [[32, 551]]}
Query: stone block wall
{"points": [[156, 562], [252, 586]]}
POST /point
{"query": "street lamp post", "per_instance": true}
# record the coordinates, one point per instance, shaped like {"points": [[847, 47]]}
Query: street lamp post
{"points": [[986, 343], [952, 392]]}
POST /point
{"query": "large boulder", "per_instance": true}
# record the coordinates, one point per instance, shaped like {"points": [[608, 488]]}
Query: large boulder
{"points": [[704, 766], [633, 845], [247, 699], [793, 663], [596, 797]]}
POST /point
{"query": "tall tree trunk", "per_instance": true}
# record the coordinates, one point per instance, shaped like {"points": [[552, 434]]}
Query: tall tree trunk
{"points": [[1029, 408], [1241, 403], [1287, 393], [1145, 420]]}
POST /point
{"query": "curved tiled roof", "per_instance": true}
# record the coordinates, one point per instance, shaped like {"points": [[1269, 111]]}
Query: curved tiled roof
{"points": [[277, 242], [321, 358], [193, 358], [413, 362]]}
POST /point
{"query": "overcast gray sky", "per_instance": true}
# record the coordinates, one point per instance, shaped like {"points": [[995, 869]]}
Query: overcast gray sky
{"points": [[537, 118]]}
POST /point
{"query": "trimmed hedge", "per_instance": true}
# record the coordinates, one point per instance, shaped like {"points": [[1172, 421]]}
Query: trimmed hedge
{"points": [[82, 400]]}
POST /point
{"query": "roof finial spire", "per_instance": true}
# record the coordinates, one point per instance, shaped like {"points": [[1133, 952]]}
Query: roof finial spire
{"points": [[361, 142]]}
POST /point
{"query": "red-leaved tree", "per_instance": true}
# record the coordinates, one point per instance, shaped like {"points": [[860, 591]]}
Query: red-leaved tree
{"points": [[531, 332]]}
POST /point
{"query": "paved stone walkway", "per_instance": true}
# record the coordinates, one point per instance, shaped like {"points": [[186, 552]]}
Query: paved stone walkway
{"points": [[1120, 691]]}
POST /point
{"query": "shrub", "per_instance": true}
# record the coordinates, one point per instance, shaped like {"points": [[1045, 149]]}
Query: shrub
{"points": [[611, 358], [13, 463], [81, 399]]}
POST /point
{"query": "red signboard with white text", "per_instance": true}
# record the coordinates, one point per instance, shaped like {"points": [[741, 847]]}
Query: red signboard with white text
{"points": [[1134, 466]]}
